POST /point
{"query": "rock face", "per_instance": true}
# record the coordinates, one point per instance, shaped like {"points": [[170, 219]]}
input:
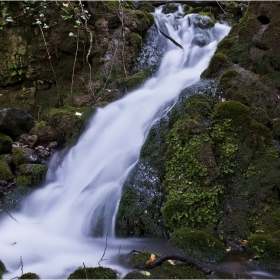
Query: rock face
{"points": [[15, 121]]}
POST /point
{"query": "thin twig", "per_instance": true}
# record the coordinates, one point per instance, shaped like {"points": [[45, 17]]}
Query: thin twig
{"points": [[120, 14], [73, 71], [49, 57], [112, 64], [221, 7], [7, 212], [85, 271], [103, 252], [90, 38], [21, 264]]}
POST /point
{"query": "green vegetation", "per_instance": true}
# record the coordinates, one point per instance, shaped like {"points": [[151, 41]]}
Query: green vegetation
{"points": [[31, 174], [5, 144], [133, 81], [93, 273], [5, 171], [266, 249], [197, 244], [29, 275]]}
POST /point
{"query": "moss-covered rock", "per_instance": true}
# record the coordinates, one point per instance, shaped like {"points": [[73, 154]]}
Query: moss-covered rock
{"points": [[197, 244], [135, 80], [5, 171], [44, 132], [93, 273], [5, 143], [29, 275], [163, 271], [22, 155], [265, 249], [66, 123], [31, 174]]}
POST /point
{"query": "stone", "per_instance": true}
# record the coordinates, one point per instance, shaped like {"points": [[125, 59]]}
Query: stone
{"points": [[15, 121]]}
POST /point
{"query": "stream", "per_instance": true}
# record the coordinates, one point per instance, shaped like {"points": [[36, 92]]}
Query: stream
{"points": [[67, 221]]}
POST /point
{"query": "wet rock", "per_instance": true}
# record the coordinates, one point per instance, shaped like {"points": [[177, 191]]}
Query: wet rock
{"points": [[31, 174], [200, 40], [23, 155], [15, 121], [29, 140], [203, 22]]}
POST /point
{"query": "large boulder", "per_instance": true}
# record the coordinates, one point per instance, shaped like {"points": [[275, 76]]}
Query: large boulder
{"points": [[15, 121]]}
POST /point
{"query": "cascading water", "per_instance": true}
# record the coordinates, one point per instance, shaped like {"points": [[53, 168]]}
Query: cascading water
{"points": [[55, 226]]}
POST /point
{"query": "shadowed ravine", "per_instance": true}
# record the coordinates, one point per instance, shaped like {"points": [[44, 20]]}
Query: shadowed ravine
{"points": [[80, 198]]}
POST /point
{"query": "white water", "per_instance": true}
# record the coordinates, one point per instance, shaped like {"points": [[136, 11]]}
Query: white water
{"points": [[56, 222]]}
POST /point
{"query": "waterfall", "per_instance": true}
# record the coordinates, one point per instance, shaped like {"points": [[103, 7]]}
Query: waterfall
{"points": [[64, 223]]}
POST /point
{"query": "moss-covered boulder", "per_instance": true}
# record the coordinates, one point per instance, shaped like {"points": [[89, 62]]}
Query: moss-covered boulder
{"points": [[31, 174], [265, 249], [135, 80], [66, 122], [166, 270], [5, 171], [29, 275], [197, 244], [93, 273], [5, 144], [22, 155], [44, 132]]}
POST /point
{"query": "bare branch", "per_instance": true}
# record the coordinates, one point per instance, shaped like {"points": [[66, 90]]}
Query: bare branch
{"points": [[74, 64], [103, 252], [85, 271]]}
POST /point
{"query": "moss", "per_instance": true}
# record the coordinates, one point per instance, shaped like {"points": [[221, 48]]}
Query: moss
{"points": [[29, 275], [93, 273], [135, 40], [135, 275], [218, 62], [66, 123], [198, 107], [136, 80], [5, 143], [170, 8], [31, 174], [197, 244], [233, 110], [234, 94], [5, 171], [226, 77], [266, 249], [18, 155], [225, 44], [141, 258], [146, 6]]}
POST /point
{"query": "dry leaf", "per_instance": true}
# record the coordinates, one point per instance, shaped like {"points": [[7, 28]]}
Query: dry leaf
{"points": [[171, 262], [146, 273], [65, 4], [152, 258]]}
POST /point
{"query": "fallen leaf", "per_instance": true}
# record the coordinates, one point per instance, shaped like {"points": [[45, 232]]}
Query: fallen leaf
{"points": [[152, 258], [146, 273], [171, 262], [65, 4]]}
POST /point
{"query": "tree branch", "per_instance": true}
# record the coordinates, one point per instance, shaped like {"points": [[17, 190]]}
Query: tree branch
{"points": [[177, 257]]}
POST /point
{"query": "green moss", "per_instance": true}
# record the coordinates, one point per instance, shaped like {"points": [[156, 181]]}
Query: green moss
{"points": [[226, 77], [93, 273], [29, 275], [225, 44], [66, 123], [218, 62], [5, 171], [266, 249], [198, 107], [18, 155], [136, 80], [234, 94], [135, 40], [135, 275], [31, 174], [146, 6], [141, 258], [197, 244], [5, 143], [233, 110]]}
